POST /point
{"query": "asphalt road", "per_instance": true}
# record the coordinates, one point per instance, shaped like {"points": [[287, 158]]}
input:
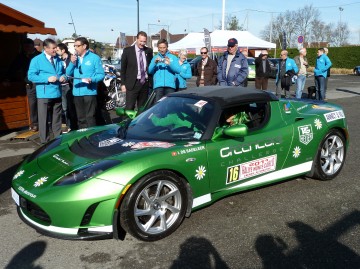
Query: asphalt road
{"points": [[301, 223]]}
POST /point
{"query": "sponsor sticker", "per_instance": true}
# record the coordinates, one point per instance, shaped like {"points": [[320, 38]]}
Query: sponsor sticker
{"points": [[60, 159], [318, 124], [305, 134], [287, 107], [336, 115], [323, 107], [201, 103], [109, 142], [153, 144], [251, 169], [40, 181], [187, 150]]}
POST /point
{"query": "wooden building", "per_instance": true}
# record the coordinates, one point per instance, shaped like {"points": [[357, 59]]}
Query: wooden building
{"points": [[14, 27]]}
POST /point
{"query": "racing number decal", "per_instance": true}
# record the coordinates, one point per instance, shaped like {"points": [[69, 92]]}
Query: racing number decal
{"points": [[233, 174]]}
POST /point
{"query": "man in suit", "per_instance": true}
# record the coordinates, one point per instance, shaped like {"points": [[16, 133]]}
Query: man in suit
{"points": [[135, 61]]}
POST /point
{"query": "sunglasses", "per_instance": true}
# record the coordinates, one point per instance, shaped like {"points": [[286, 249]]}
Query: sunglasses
{"points": [[231, 46], [203, 52]]}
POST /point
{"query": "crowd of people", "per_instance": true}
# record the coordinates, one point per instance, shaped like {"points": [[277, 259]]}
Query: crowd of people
{"points": [[294, 71], [63, 87]]}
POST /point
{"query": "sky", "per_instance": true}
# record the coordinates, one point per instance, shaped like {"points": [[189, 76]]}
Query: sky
{"points": [[103, 20]]}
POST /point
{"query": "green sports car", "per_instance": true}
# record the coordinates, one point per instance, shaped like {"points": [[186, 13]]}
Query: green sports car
{"points": [[191, 148]]}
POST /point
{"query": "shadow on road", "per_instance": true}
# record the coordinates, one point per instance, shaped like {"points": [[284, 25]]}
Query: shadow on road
{"points": [[315, 249], [198, 252], [26, 257], [348, 91]]}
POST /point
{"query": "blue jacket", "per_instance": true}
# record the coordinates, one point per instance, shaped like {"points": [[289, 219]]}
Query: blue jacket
{"points": [[40, 70], [290, 65], [322, 65], [184, 74], [164, 75], [238, 70], [91, 67]]}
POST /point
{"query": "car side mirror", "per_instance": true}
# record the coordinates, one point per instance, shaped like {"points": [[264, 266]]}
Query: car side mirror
{"points": [[238, 130], [120, 111]]}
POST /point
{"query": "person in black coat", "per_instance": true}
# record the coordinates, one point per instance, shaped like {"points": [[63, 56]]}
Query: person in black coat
{"points": [[262, 71], [135, 80]]}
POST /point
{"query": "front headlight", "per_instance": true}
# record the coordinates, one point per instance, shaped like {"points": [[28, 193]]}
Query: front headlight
{"points": [[86, 172]]}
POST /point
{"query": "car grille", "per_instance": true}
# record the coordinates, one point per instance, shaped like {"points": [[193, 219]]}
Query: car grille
{"points": [[35, 211]]}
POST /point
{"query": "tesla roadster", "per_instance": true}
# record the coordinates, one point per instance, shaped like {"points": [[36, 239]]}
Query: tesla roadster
{"points": [[146, 174]]}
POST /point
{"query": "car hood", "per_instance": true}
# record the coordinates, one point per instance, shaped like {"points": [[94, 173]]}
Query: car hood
{"points": [[104, 144]]}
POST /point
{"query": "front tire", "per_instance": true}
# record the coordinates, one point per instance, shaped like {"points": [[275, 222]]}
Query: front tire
{"points": [[155, 206], [331, 154]]}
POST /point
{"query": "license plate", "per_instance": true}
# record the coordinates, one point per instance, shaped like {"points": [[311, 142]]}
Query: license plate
{"points": [[15, 196]]}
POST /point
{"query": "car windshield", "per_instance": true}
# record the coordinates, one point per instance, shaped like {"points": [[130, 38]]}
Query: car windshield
{"points": [[172, 119]]}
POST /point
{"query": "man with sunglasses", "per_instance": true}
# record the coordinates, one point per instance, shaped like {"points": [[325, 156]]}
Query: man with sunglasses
{"points": [[86, 70], [232, 67], [207, 69]]}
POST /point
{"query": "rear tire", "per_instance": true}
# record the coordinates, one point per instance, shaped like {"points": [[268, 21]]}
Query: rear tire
{"points": [[331, 155], [155, 206]]}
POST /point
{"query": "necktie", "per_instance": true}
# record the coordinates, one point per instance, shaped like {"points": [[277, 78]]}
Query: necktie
{"points": [[142, 69], [52, 61]]}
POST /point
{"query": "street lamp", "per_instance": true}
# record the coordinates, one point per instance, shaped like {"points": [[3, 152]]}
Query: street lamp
{"points": [[72, 22], [138, 19], [340, 27]]}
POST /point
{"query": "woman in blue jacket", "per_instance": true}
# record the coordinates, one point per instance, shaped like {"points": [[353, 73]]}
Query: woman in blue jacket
{"points": [[164, 67], [185, 72], [287, 70]]}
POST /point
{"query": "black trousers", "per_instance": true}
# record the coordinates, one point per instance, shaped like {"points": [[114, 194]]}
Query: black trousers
{"points": [[85, 110], [31, 94], [137, 95]]}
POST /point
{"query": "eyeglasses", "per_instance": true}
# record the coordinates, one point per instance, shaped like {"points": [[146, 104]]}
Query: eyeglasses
{"points": [[203, 52], [76, 46], [282, 54]]}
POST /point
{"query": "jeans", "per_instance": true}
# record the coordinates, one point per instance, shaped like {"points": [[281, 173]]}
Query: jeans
{"points": [[163, 91], [320, 87], [300, 84]]}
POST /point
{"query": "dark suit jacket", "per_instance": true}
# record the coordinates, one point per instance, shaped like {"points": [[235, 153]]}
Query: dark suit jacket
{"points": [[129, 66]]}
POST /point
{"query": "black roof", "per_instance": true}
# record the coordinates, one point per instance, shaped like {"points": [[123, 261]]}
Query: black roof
{"points": [[227, 96]]}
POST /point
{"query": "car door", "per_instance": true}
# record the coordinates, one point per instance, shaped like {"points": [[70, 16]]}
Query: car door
{"points": [[237, 162]]}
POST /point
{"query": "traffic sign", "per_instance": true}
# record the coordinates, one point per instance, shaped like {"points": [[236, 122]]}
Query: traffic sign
{"points": [[300, 39]]}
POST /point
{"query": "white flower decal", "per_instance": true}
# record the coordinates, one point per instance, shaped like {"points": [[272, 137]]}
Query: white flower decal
{"points": [[40, 181], [83, 130], [128, 144], [200, 172], [18, 174], [296, 152], [318, 124]]}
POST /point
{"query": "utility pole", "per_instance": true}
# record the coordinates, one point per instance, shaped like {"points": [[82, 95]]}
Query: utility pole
{"points": [[72, 22]]}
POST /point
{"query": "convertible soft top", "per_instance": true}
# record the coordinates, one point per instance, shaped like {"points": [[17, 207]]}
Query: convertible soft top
{"points": [[227, 96]]}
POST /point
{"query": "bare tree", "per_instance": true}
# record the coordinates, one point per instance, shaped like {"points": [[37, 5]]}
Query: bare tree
{"points": [[231, 23], [340, 35], [304, 18]]}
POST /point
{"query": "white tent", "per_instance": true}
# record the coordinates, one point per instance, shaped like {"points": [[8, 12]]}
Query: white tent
{"points": [[245, 39], [219, 38], [190, 41]]}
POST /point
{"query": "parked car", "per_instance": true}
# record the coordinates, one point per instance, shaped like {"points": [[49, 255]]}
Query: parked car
{"points": [[274, 62], [251, 64], [194, 64], [190, 149], [357, 70]]}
